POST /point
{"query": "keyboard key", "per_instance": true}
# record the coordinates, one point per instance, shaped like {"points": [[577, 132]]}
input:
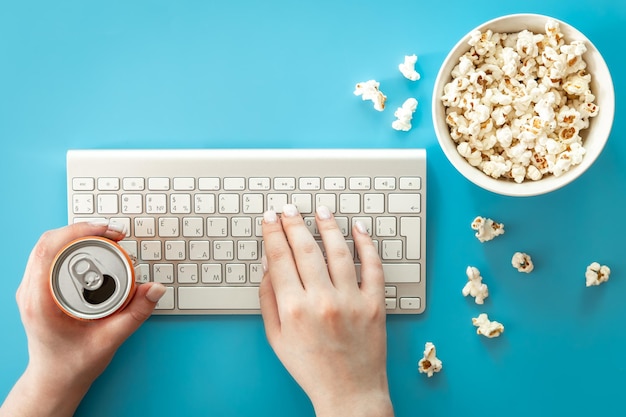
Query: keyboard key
{"points": [[350, 203], [234, 184], [235, 273], [208, 184], [228, 203], [82, 203], [167, 301], [184, 184], [156, 203], [107, 204], [412, 303], [310, 183], [204, 203], [145, 227], [163, 273], [158, 184], [404, 203], [133, 184], [397, 273], [410, 228], [108, 184], [222, 298], [211, 273], [374, 203], [384, 183], [334, 184], [187, 273], [199, 250], [284, 184], [180, 203], [132, 204], [259, 184], [410, 183], [328, 200], [360, 183], [83, 184]]}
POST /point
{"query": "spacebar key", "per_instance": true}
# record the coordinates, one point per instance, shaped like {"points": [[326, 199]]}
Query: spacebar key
{"points": [[218, 298]]}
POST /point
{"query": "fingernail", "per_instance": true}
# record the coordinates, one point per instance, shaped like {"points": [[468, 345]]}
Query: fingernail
{"points": [[264, 263], [290, 210], [270, 216], [117, 227], [361, 227], [156, 291], [323, 212]]}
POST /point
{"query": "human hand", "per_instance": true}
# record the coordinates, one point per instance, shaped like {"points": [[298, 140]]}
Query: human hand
{"points": [[65, 354], [328, 331]]}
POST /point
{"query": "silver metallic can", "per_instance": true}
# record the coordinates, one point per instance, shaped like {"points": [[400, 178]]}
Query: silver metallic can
{"points": [[92, 278]]}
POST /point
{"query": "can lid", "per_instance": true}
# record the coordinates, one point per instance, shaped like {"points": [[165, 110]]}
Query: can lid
{"points": [[92, 278]]}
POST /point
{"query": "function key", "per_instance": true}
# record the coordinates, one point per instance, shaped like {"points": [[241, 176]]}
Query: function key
{"points": [[410, 183], [184, 184], [310, 183], [108, 184], [259, 184], [334, 183], [133, 184], [209, 184], [385, 183], [158, 184], [360, 183], [285, 184], [234, 183], [83, 184]]}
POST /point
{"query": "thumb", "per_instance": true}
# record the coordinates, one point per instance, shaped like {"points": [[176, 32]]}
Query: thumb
{"points": [[138, 310]]}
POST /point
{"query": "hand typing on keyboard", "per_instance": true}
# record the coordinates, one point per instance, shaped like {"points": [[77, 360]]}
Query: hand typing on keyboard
{"points": [[328, 331]]}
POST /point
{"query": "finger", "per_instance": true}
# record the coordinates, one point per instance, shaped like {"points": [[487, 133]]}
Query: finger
{"points": [[372, 275], [306, 252], [339, 257], [122, 324], [269, 309], [284, 273]]}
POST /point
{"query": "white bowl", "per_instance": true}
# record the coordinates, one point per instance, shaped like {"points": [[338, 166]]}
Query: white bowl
{"points": [[594, 137]]}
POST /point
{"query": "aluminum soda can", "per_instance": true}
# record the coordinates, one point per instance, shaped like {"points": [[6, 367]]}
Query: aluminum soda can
{"points": [[92, 278]]}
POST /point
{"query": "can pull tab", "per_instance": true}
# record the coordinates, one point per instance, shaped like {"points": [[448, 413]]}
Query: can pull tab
{"points": [[85, 272], [95, 286]]}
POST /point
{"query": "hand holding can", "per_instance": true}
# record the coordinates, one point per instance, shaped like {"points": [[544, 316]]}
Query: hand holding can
{"points": [[66, 355]]}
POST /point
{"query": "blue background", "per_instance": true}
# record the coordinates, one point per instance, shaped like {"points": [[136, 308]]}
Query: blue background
{"points": [[211, 74]]}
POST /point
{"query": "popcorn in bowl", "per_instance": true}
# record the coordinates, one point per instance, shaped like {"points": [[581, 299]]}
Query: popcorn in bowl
{"points": [[523, 104], [518, 101]]}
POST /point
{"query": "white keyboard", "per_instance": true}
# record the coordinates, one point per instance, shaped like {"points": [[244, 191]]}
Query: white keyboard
{"points": [[194, 216]]}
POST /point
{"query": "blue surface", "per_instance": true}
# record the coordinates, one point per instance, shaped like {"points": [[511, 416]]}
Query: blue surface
{"points": [[187, 74]]}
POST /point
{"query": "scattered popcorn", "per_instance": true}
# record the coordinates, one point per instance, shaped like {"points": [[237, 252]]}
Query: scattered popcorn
{"points": [[475, 286], [429, 364], [369, 91], [486, 327], [486, 229], [596, 274], [404, 115], [522, 262], [407, 68], [517, 103]]}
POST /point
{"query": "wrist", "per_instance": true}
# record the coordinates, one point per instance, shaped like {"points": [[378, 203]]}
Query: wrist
{"points": [[367, 404], [45, 393]]}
